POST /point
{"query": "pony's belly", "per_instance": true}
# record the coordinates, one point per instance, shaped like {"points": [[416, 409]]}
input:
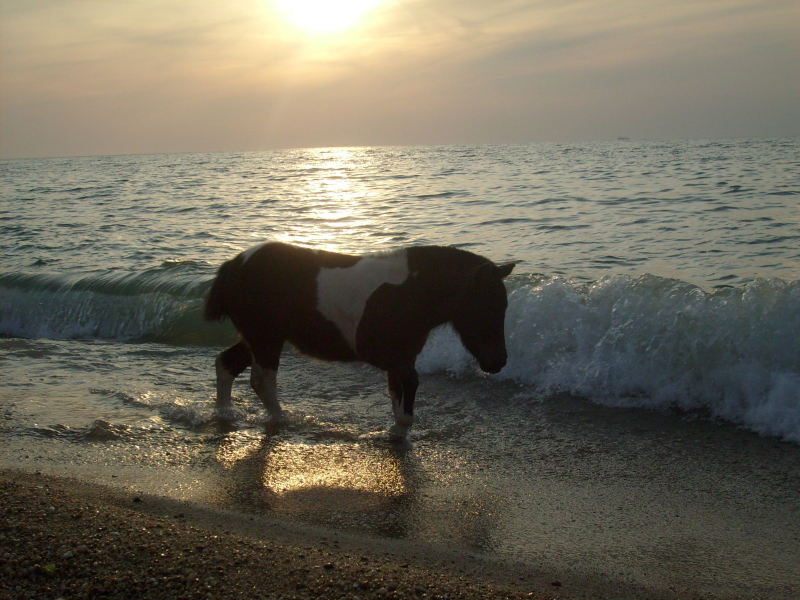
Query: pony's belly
{"points": [[325, 343]]}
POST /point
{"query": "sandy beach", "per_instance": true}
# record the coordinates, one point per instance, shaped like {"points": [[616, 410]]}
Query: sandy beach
{"points": [[59, 538], [63, 538]]}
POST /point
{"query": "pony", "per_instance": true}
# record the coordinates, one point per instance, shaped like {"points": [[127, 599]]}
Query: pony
{"points": [[375, 308]]}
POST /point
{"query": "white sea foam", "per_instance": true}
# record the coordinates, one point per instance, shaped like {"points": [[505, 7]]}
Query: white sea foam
{"points": [[653, 342]]}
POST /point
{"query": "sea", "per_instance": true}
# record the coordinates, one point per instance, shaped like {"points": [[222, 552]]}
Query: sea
{"points": [[653, 329]]}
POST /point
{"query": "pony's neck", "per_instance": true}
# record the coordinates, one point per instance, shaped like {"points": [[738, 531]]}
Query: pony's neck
{"points": [[442, 303], [442, 273]]}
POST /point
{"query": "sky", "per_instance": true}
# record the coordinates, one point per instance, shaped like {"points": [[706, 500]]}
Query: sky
{"points": [[83, 77]]}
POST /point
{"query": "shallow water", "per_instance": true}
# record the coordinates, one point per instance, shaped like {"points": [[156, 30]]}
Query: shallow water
{"points": [[652, 328]]}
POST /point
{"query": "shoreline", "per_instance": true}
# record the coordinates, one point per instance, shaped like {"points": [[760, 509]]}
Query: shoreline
{"points": [[600, 503], [66, 538]]}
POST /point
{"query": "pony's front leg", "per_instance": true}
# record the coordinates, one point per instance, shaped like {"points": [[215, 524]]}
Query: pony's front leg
{"points": [[264, 379], [228, 365], [403, 390]]}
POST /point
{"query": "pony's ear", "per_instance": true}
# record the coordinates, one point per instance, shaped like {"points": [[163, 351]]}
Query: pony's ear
{"points": [[505, 270], [489, 271], [484, 273]]}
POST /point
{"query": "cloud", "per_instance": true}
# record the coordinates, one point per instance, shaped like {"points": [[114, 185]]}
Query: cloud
{"points": [[93, 77]]}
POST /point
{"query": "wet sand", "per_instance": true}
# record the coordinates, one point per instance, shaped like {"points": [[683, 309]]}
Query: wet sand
{"points": [[66, 538], [62, 538]]}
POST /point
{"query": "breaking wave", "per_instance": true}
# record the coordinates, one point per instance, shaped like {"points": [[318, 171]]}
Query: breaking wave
{"points": [[163, 304], [643, 341], [653, 342]]}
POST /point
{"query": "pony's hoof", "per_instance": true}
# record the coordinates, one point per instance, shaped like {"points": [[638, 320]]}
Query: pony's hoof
{"points": [[275, 422], [398, 433], [226, 414]]}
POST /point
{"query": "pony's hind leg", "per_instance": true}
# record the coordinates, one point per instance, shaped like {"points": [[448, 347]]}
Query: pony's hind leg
{"points": [[228, 365], [264, 378]]}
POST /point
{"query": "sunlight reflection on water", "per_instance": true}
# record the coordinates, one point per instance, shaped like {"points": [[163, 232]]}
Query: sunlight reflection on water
{"points": [[582, 211], [341, 211]]}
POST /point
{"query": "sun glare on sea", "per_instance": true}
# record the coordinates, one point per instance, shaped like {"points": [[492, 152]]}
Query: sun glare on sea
{"points": [[325, 16]]}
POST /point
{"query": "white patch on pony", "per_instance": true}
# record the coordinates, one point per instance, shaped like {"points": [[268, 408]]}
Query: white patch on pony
{"points": [[250, 251], [224, 408], [402, 421], [342, 292], [224, 384], [398, 431]]}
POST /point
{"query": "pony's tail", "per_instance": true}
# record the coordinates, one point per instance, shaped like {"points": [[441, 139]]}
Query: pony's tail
{"points": [[218, 298]]}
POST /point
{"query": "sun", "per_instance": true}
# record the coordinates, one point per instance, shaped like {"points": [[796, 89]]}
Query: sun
{"points": [[325, 16]]}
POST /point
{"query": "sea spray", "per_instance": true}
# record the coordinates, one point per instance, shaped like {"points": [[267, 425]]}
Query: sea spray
{"points": [[653, 342]]}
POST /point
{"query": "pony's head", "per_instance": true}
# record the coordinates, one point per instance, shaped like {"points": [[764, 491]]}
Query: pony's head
{"points": [[479, 315]]}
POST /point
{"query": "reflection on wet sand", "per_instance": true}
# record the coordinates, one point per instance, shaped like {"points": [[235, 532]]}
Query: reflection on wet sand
{"points": [[297, 467], [367, 486]]}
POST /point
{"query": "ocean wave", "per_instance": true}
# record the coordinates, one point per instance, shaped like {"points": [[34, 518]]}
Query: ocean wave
{"points": [[182, 278], [643, 341], [163, 304], [653, 342]]}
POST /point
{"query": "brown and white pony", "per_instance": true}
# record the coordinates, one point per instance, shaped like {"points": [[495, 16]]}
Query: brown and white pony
{"points": [[375, 308]]}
